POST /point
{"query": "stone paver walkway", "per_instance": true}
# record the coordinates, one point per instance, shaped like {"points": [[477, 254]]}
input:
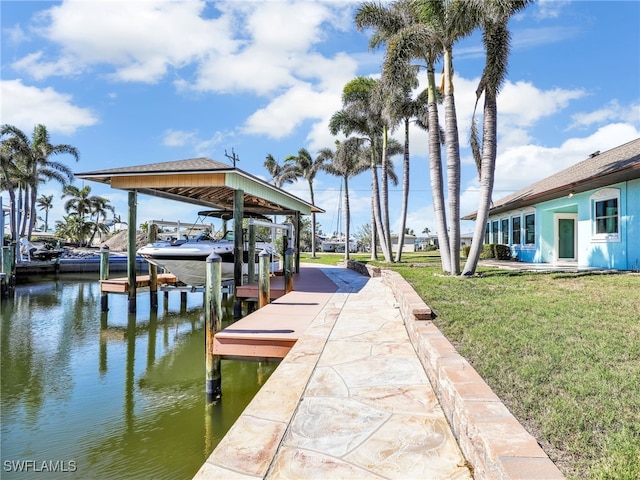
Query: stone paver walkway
{"points": [[353, 399]]}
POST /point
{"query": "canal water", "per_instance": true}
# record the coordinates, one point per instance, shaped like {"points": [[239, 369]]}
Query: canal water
{"points": [[110, 396]]}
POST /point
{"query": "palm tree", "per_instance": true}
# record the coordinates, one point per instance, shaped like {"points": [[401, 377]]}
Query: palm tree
{"points": [[348, 160], [496, 39], [82, 203], [396, 84], [6, 182], [74, 228], [417, 39], [360, 116], [99, 209], [305, 166], [31, 159], [275, 170], [45, 202], [450, 21]]}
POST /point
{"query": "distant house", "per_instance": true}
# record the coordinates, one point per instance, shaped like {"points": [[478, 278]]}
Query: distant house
{"points": [[588, 214]]}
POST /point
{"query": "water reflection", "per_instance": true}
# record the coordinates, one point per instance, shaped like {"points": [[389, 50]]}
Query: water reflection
{"points": [[122, 395]]}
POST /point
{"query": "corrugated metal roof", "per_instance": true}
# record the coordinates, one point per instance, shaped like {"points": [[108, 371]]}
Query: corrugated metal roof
{"points": [[601, 169], [204, 182]]}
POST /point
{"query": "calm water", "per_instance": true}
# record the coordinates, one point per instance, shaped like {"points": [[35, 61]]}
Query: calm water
{"points": [[110, 396]]}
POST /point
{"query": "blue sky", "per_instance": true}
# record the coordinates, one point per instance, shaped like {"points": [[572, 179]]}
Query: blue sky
{"points": [[145, 81]]}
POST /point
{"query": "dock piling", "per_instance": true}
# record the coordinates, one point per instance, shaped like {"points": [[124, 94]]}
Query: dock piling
{"points": [[264, 293], [104, 275], [288, 270], [153, 270], [213, 324]]}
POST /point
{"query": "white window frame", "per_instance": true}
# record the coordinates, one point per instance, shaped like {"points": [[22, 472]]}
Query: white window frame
{"points": [[601, 196], [512, 238], [524, 229]]}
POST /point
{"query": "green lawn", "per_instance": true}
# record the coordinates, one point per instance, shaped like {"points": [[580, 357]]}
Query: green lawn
{"points": [[561, 350]]}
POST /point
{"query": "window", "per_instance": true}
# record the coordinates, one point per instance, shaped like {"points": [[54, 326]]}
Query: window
{"points": [[494, 231], [605, 206], [530, 229], [515, 228], [486, 234], [504, 230], [606, 216]]}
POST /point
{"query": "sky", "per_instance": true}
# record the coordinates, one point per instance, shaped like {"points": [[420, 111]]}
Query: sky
{"points": [[145, 81]]}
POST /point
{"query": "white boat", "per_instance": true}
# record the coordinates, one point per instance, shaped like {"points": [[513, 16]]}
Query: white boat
{"points": [[335, 244], [187, 259]]}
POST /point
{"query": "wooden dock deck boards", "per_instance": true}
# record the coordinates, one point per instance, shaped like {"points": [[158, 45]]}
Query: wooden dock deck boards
{"points": [[271, 331], [121, 285]]}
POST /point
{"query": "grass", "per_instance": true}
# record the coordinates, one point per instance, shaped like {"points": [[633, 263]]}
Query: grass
{"points": [[561, 350]]}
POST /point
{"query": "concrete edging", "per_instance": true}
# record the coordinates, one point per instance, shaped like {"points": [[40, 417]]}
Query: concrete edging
{"points": [[492, 440]]}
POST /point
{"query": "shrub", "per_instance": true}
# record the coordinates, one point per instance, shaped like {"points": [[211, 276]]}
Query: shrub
{"points": [[494, 250], [465, 250], [502, 252], [487, 251]]}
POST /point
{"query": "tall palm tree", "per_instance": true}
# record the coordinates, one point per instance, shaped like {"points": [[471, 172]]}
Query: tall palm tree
{"points": [[360, 115], [419, 40], [7, 168], [45, 202], [348, 160], [396, 84], [305, 166], [496, 39], [32, 158], [450, 20]]}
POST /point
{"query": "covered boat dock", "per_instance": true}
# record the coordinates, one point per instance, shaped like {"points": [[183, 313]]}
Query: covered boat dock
{"points": [[206, 183]]}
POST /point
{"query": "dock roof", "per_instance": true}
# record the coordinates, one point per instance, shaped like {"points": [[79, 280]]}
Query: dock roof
{"points": [[203, 182]]}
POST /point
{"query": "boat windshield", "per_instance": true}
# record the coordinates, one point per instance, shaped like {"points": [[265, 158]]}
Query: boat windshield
{"points": [[204, 236]]}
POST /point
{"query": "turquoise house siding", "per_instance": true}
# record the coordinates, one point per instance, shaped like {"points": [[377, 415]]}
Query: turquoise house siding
{"points": [[619, 250], [632, 225]]}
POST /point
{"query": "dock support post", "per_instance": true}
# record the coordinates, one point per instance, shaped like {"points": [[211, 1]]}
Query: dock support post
{"points": [[264, 288], [8, 268], [153, 270], [288, 270], [131, 252], [213, 324], [104, 275], [251, 265]]}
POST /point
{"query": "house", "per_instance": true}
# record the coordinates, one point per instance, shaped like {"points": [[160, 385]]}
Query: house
{"points": [[587, 214]]}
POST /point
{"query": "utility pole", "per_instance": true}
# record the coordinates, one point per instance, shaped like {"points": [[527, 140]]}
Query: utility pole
{"points": [[233, 157]]}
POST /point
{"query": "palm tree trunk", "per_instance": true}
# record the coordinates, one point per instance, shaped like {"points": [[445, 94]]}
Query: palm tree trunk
{"points": [[32, 211], [374, 237], [313, 222], [435, 168], [385, 196], [375, 197], [453, 162], [405, 191], [347, 218], [487, 174]]}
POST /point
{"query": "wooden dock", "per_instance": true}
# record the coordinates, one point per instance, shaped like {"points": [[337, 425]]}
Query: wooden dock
{"points": [[251, 291], [271, 331], [121, 285]]}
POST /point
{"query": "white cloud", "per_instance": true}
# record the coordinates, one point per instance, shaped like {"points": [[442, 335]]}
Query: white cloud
{"points": [[141, 39], [523, 104], [203, 147], [611, 112], [25, 106]]}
